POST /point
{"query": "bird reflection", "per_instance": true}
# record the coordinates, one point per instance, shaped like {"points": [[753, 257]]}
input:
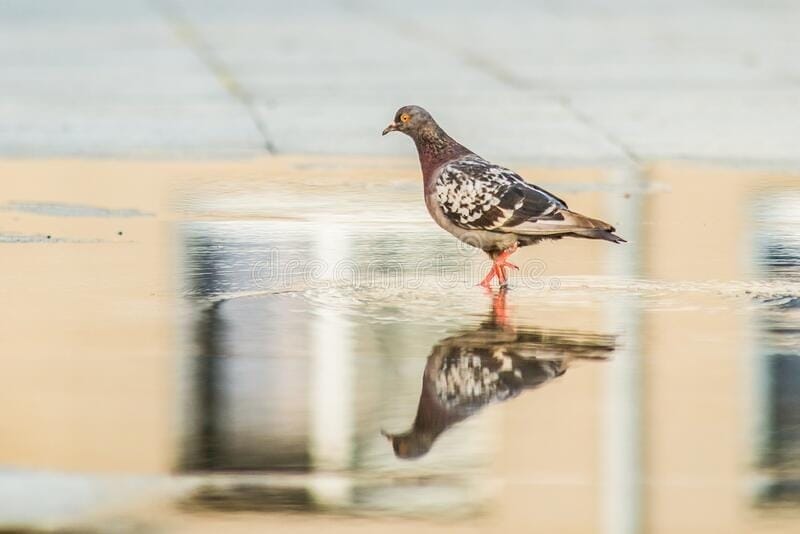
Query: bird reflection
{"points": [[491, 363]]}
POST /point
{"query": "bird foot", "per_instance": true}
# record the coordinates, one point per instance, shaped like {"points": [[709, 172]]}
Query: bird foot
{"points": [[487, 280], [499, 265], [507, 264]]}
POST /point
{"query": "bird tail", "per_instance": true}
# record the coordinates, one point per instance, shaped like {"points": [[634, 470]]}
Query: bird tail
{"points": [[589, 228]]}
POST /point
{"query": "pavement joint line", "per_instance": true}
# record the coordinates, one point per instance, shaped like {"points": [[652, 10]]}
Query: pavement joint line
{"points": [[498, 72], [191, 36], [566, 103]]}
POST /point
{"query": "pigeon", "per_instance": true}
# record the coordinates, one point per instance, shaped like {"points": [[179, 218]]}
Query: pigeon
{"points": [[486, 205], [489, 364]]}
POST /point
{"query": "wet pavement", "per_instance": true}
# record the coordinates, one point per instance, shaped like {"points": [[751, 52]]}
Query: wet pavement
{"points": [[291, 342]]}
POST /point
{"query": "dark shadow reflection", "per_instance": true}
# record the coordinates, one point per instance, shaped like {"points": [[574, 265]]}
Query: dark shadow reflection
{"points": [[494, 362]]}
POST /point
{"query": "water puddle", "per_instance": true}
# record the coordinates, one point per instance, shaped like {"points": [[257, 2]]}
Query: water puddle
{"points": [[293, 343]]}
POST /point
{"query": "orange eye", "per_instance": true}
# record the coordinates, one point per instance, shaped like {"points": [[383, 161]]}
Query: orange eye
{"points": [[405, 117]]}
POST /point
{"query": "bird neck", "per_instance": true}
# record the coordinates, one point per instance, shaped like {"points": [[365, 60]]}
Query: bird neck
{"points": [[435, 148], [433, 417]]}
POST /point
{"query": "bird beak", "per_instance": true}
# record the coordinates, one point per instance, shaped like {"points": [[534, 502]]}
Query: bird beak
{"points": [[384, 433], [391, 128]]}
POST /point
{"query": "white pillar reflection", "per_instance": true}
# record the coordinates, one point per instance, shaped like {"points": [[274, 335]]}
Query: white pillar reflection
{"points": [[622, 433], [331, 386]]}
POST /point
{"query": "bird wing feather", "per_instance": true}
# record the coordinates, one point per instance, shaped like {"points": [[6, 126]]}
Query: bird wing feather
{"points": [[478, 195]]}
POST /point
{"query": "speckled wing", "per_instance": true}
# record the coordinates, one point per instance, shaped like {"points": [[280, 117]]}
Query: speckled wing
{"points": [[471, 377], [478, 195]]}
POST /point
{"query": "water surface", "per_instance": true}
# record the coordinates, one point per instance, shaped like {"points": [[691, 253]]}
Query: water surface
{"points": [[297, 345]]}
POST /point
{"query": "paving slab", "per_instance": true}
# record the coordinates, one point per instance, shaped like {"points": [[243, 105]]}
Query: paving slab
{"points": [[109, 79], [541, 81]]}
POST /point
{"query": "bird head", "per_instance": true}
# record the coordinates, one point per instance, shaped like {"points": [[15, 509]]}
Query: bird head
{"points": [[409, 120], [410, 445]]}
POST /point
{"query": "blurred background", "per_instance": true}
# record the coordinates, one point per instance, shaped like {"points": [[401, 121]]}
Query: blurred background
{"points": [[226, 308]]}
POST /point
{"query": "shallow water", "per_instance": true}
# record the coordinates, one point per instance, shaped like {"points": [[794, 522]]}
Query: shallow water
{"points": [[310, 351]]}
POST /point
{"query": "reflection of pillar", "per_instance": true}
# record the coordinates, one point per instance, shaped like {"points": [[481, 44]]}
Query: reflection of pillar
{"points": [[202, 445], [621, 455], [331, 393], [773, 371]]}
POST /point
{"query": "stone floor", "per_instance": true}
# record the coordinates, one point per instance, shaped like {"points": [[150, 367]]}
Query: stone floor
{"points": [[536, 81]]}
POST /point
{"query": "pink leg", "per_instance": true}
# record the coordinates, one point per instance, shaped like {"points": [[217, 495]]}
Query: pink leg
{"points": [[500, 271], [502, 258], [487, 280], [499, 264]]}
